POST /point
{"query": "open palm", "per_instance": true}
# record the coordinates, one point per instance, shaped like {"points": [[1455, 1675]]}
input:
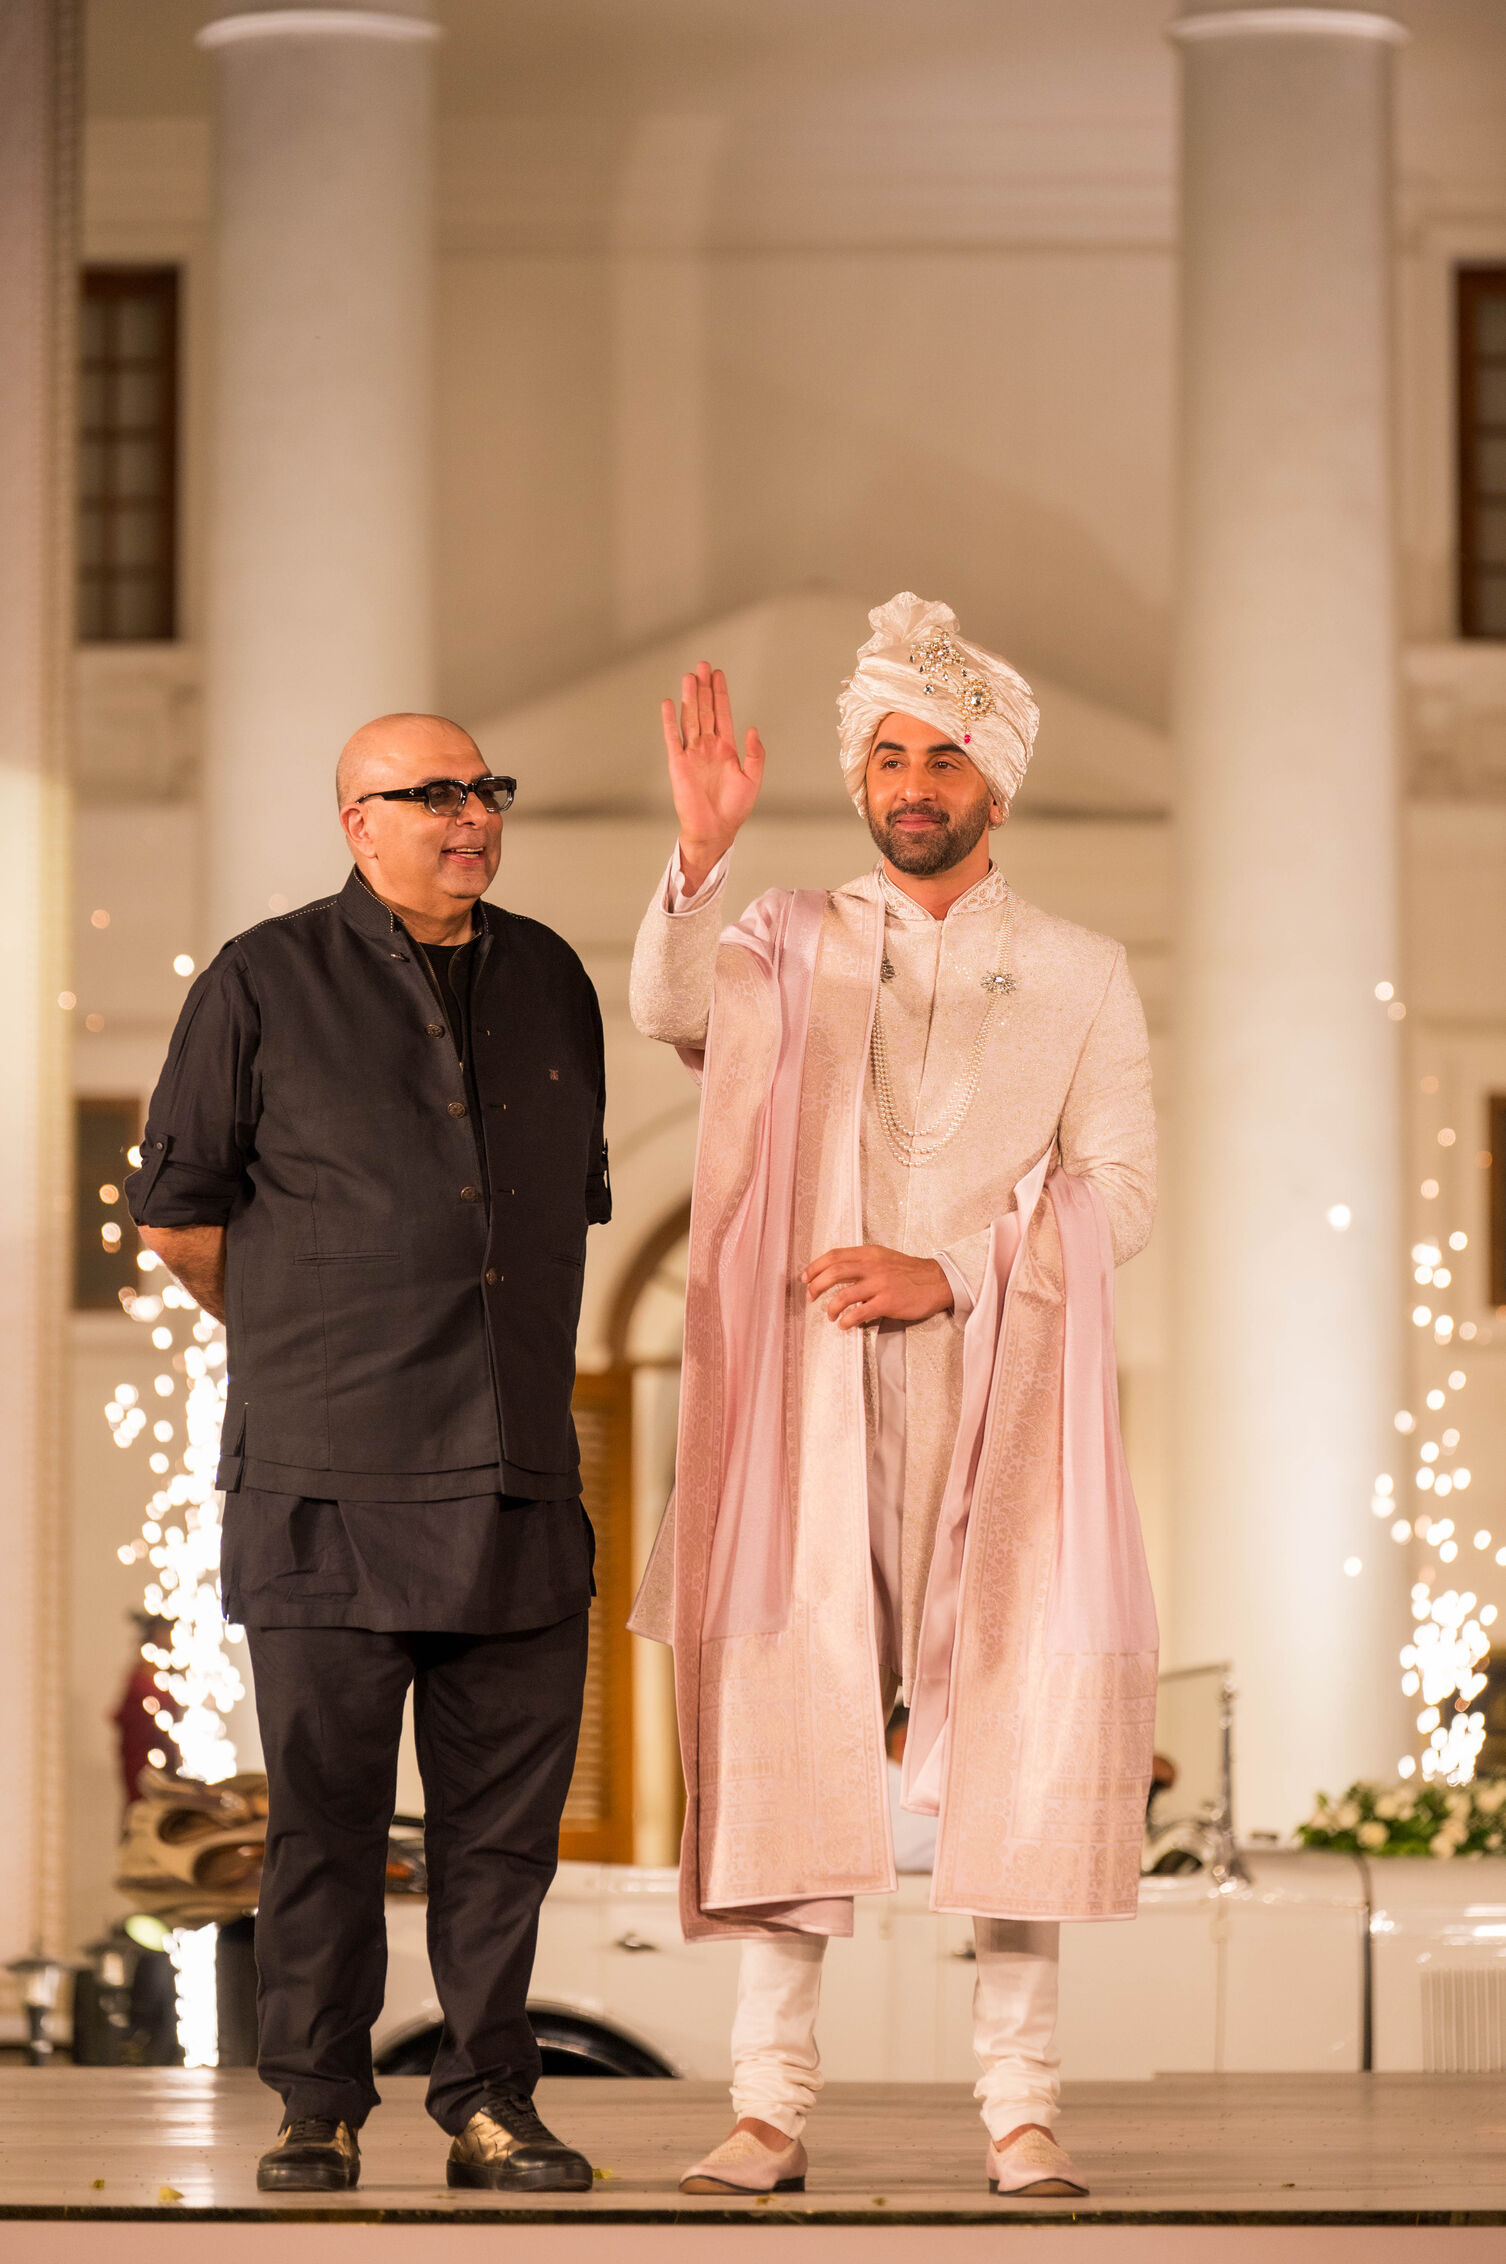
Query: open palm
{"points": [[714, 789]]}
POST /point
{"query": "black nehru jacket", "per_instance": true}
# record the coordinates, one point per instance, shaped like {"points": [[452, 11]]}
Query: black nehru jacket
{"points": [[406, 1231]]}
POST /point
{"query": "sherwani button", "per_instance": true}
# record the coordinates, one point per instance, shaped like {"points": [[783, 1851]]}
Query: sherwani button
{"points": [[456, 1108], [492, 1277], [434, 1029], [470, 1194]]}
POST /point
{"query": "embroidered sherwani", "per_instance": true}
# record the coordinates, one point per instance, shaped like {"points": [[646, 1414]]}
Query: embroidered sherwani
{"points": [[1062, 1074]]}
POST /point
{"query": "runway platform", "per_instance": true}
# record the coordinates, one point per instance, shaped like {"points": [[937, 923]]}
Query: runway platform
{"points": [[107, 2166]]}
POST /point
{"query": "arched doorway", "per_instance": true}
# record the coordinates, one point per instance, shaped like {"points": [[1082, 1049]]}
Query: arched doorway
{"points": [[626, 1798]]}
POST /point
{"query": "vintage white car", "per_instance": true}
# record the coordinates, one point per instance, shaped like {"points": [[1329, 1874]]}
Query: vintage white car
{"points": [[1252, 1959]]}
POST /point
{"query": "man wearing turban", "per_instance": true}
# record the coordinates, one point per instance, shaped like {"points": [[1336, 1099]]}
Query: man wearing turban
{"points": [[925, 1141]]}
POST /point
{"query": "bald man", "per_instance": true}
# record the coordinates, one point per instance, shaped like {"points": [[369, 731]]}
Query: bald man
{"points": [[374, 1153]]}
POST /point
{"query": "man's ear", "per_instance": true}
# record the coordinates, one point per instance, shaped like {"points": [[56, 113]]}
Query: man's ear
{"points": [[998, 813]]}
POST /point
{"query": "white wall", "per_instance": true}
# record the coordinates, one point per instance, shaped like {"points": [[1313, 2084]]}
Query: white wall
{"points": [[934, 339]]}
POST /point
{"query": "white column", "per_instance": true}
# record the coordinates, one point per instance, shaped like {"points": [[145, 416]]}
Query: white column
{"points": [[38, 282], [661, 337], [319, 577], [1287, 1068]]}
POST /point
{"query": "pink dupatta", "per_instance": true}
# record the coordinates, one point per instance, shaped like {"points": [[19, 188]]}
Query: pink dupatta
{"points": [[1101, 1598]]}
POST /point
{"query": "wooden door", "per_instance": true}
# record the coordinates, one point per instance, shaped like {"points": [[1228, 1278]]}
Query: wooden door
{"points": [[598, 1820]]}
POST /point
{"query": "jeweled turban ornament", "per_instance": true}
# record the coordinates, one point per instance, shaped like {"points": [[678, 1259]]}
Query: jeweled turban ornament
{"points": [[915, 663]]}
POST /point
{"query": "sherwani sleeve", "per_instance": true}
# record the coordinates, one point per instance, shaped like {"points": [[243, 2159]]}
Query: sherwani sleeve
{"points": [[1108, 1127], [674, 958]]}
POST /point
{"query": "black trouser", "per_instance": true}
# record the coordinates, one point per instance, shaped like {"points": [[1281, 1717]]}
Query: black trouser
{"points": [[496, 1719]]}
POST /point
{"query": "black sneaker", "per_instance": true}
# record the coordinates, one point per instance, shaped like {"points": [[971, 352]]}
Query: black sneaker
{"points": [[505, 2147], [312, 2155]]}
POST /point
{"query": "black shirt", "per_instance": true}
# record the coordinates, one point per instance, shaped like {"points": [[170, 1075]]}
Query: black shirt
{"points": [[405, 1236]]}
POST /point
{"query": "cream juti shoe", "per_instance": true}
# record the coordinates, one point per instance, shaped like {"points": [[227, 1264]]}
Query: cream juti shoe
{"points": [[742, 2164], [1033, 2164]]}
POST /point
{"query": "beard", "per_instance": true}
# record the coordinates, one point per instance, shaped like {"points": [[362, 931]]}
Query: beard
{"points": [[950, 840]]}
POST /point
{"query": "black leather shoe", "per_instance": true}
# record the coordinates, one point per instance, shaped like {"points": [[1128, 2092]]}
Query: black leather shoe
{"points": [[505, 2147], [312, 2155]]}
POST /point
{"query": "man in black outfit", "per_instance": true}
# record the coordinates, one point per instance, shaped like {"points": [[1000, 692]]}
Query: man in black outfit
{"points": [[374, 1152]]}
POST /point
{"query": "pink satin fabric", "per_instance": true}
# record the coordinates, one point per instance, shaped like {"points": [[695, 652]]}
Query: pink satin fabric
{"points": [[1100, 1590], [1101, 1597], [748, 1579], [982, 1337]]}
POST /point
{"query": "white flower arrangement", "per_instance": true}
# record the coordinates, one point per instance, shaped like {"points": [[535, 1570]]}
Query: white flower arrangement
{"points": [[1432, 1819]]}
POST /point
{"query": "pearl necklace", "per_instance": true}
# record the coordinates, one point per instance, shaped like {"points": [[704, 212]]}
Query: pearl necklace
{"points": [[914, 1145]]}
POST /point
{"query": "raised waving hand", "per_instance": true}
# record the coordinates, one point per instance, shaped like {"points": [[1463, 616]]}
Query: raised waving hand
{"points": [[714, 788]]}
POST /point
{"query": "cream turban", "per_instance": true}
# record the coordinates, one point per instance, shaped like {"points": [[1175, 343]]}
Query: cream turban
{"points": [[916, 664]]}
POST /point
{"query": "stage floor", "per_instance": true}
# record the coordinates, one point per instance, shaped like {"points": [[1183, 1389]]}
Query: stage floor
{"points": [[93, 2152]]}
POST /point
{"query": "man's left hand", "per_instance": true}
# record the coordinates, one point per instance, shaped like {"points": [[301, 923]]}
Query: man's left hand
{"points": [[875, 1284]]}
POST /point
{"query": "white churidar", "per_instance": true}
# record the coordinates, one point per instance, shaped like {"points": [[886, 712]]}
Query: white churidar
{"points": [[1288, 1096], [319, 571], [776, 2067]]}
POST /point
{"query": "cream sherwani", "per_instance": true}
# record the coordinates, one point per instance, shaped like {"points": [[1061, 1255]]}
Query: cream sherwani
{"points": [[934, 1006], [1062, 1076]]}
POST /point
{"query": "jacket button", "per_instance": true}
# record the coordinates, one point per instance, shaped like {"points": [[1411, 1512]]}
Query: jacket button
{"points": [[470, 1194], [492, 1277], [457, 1108], [435, 1029]]}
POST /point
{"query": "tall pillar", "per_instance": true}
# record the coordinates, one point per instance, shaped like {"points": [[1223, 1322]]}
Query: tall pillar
{"points": [[661, 335], [38, 283], [319, 554], [1285, 1189]]}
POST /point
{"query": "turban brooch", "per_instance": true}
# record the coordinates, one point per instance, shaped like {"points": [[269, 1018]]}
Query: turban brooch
{"points": [[915, 663]]}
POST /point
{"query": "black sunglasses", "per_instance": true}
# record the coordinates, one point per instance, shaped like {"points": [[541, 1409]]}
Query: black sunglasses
{"points": [[446, 797]]}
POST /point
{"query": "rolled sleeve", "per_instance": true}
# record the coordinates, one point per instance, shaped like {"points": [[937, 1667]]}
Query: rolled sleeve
{"points": [[201, 1125]]}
